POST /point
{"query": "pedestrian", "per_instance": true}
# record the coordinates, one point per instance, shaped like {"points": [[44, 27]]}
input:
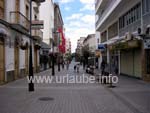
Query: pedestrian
{"points": [[63, 63], [67, 64], [45, 61], [103, 65], [84, 64], [78, 66]]}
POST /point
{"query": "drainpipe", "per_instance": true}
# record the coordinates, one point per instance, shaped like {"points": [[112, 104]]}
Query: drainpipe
{"points": [[119, 58], [142, 24]]}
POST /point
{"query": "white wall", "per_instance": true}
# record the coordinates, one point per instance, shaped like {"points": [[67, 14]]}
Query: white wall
{"points": [[47, 14], [10, 6]]}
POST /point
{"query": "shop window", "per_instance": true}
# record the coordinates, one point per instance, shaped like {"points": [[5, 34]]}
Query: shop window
{"points": [[131, 16]]}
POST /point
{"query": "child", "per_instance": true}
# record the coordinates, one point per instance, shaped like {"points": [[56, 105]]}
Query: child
{"points": [[78, 66]]}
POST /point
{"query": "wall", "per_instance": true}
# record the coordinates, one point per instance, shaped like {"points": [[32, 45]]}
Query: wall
{"points": [[48, 19]]}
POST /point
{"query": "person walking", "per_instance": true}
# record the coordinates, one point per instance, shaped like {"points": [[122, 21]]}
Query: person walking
{"points": [[103, 65], [67, 64], [78, 67]]}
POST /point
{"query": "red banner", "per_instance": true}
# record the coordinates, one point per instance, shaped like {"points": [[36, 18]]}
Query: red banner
{"points": [[62, 41]]}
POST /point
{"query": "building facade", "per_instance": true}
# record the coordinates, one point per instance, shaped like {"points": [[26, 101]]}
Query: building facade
{"points": [[124, 33], [15, 40], [59, 31], [90, 41], [80, 45], [68, 46], [48, 18]]}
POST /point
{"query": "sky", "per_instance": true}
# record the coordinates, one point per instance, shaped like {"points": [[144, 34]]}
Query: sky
{"points": [[78, 17]]}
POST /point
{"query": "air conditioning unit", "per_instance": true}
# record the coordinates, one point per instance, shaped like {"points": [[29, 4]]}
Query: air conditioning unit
{"points": [[139, 31], [128, 36], [147, 31]]}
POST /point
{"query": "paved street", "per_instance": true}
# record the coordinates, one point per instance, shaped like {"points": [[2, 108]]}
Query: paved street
{"points": [[129, 96]]}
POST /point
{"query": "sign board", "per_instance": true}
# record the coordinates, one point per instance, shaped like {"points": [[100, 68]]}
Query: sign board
{"points": [[37, 24]]}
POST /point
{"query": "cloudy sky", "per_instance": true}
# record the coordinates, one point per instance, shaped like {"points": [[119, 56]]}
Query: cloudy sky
{"points": [[78, 17]]}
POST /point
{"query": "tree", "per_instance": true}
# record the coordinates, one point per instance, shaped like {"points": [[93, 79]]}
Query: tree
{"points": [[86, 53]]}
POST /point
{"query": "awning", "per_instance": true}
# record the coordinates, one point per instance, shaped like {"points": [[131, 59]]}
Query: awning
{"points": [[101, 47]]}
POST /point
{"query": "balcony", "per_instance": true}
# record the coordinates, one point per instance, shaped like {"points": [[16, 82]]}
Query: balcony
{"points": [[108, 10], [37, 34], [19, 21], [99, 4]]}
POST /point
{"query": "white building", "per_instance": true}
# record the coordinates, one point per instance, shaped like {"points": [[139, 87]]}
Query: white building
{"points": [[14, 40], [68, 45], [90, 41], [47, 14], [124, 28]]}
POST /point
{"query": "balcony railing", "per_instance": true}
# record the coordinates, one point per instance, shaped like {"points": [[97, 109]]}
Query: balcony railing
{"points": [[37, 33], [97, 3], [18, 18], [100, 18]]}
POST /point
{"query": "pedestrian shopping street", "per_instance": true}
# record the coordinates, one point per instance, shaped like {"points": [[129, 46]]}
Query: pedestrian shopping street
{"points": [[129, 96]]}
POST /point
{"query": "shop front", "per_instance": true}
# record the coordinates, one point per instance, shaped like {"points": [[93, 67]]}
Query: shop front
{"points": [[146, 58], [130, 57]]}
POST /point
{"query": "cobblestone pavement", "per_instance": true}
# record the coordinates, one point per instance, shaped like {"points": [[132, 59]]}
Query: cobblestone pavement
{"points": [[75, 98]]}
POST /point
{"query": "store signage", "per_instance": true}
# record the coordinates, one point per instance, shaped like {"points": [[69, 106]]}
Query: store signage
{"points": [[37, 24]]}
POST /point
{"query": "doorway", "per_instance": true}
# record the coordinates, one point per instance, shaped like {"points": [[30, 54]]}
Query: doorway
{"points": [[2, 61]]}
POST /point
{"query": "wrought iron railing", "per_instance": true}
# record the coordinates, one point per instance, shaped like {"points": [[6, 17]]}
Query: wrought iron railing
{"points": [[17, 17], [37, 33]]}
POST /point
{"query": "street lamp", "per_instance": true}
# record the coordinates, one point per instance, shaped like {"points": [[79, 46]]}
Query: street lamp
{"points": [[58, 57], [31, 84], [53, 63]]}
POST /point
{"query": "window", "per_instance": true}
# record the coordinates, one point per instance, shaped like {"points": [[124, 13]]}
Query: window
{"points": [[104, 36], [27, 11], [146, 6], [131, 16]]}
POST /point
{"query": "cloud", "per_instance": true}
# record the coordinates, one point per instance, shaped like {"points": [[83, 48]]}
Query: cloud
{"points": [[88, 19], [75, 33], [67, 8], [65, 1], [79, 25], [87, 1], [88, 5], [74, 16]]}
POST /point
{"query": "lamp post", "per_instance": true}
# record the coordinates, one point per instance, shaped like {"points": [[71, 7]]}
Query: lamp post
{"points": [[53, 63], [31, 84], [58, 51]]}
